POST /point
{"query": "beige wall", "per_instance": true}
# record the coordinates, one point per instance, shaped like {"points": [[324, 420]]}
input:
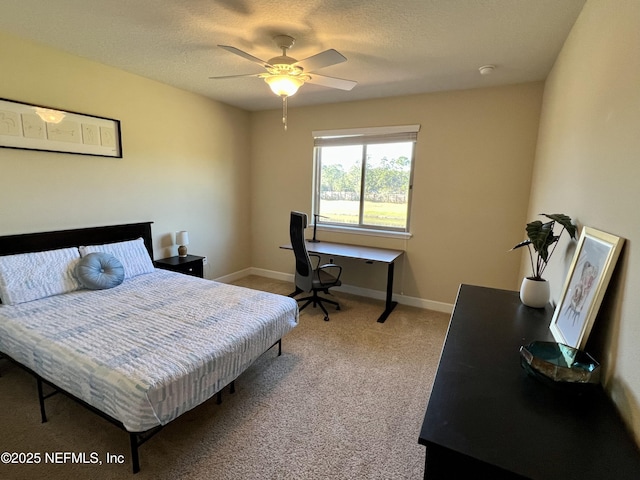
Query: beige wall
{"points": [[185, 165], [588, 166], [472, 177]]}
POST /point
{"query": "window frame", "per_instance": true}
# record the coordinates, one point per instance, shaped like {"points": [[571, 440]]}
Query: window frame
{"points": [[363, 137]]}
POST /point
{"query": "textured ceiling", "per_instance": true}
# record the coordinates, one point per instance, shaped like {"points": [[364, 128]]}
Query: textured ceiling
{"points": [[393, 47]]}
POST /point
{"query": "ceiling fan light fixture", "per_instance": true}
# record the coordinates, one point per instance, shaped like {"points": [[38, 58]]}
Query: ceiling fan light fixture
{"points": [[284, 85], [285, 75]]}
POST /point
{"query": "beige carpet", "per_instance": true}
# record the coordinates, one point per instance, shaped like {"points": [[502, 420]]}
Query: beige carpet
{"points": [[345, 400]]}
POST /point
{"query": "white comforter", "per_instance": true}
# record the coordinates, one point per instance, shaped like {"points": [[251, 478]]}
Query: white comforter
{"points": [[150, 349]]}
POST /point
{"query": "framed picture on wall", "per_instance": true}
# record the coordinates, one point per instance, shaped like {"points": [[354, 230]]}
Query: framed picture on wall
{"points": [[585, 286], [34, 127]]}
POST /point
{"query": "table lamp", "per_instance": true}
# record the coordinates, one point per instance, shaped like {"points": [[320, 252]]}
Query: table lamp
{"points": [[182, 239]]}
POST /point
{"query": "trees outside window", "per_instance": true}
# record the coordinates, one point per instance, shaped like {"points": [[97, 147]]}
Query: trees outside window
{"points": [[364, 182]]}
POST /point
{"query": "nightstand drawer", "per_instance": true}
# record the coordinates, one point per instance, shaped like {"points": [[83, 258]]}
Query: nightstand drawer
{"points": [[189, 265]]}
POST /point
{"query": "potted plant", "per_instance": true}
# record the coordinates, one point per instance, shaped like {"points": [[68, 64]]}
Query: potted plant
{"points": [[542, 240]]}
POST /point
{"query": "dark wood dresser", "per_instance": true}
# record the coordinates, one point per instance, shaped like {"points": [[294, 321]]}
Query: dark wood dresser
{"points": [[487, 417]]}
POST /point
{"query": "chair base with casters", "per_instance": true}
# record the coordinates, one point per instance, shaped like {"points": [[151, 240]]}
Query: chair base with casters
{"points": [[316, 300]]}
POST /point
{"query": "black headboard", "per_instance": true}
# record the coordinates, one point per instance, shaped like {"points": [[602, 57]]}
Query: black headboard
{"points": [[38, 242]]}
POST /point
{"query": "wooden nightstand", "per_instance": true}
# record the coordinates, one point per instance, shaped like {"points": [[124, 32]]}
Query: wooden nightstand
{"points": [[189, 265]]}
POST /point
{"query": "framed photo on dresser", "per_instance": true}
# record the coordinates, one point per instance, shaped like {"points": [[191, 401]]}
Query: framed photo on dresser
{"points": [[589, 274]]}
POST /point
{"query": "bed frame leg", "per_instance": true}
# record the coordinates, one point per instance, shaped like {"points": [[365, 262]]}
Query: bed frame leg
{"points": [[232, 387], [219, 397], [135, 459], [43, 414], [279, 347]]}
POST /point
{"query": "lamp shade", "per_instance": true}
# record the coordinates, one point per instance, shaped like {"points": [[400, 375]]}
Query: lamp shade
{"points": [[284, 85], [182, 237]]}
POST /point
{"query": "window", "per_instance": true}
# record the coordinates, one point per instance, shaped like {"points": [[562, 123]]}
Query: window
{"points": [[363, 177]]}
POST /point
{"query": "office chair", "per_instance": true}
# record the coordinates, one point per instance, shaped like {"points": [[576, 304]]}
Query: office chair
{"points": [[309, 278]]}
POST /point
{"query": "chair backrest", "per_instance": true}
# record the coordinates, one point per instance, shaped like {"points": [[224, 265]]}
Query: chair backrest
{"points": [[304, 268]]}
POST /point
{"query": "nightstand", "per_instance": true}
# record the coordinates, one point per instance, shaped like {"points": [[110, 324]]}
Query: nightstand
{"points": [[189, 265]]}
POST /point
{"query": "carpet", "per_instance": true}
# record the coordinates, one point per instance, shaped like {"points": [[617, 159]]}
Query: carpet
{"points": [[344, 401]]}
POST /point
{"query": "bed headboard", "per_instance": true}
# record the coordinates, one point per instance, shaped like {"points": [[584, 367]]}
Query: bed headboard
{"points": [[38, 242]]}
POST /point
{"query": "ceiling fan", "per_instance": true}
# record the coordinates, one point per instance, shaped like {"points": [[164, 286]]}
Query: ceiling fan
{"points": [[285, 75]]}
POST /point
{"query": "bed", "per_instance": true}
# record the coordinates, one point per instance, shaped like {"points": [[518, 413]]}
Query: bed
{"points": [[141, 352]]}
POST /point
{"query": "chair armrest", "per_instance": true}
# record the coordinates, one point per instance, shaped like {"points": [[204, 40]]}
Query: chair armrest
{"points": [[328, 266]]}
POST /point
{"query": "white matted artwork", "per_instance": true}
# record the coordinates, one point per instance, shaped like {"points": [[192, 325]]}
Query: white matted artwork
{"points": [[34, 127], [585, 286], [64, 131], [9, 123], [107, 136], [90, 135]]}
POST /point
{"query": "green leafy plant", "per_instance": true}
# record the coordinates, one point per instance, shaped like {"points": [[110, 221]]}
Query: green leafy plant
{"points": [[544, 241]]}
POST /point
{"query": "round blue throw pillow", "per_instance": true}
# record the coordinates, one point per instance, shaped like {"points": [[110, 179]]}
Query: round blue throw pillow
{"points": [[99, 270]]}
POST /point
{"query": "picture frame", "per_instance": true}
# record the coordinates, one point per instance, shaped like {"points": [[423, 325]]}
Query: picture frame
{"points": [[35, 127], [589, 274]]}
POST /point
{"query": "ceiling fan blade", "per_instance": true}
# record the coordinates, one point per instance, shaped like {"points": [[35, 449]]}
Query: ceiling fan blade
{"points": [[321, 60], [236, 76], [331, 82], [246, 55]]}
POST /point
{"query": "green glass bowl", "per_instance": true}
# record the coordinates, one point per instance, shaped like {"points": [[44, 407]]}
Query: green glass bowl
{"points": [[560, 365]]}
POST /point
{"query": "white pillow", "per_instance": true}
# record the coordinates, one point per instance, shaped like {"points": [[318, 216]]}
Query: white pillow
{"points": [[30, 276], [132, 254]]}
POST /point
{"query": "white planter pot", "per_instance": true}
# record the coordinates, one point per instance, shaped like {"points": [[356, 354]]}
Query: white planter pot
{"points": [[534, 293]]}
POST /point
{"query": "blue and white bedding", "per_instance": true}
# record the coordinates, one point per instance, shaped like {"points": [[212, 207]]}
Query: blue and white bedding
{"points": [[149, 349]]}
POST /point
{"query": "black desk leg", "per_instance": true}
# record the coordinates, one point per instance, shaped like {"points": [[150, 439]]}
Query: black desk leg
{"points": [[389, 304]]}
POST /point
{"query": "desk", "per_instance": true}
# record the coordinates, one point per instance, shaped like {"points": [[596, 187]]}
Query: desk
{"points": [[487, 415], [368, 254]]}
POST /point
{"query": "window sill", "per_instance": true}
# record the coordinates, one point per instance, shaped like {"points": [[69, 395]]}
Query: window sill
{"points": [[363, 231]]}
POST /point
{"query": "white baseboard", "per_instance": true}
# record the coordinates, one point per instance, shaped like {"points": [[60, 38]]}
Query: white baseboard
{"points": [[232, 277], [363, 292]]}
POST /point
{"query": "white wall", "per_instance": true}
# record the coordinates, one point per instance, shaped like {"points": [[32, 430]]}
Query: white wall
{"points": [[588, 166]]}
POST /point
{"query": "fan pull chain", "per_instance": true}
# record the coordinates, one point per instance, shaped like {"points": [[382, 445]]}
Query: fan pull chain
{"points": [[284, 111]]}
